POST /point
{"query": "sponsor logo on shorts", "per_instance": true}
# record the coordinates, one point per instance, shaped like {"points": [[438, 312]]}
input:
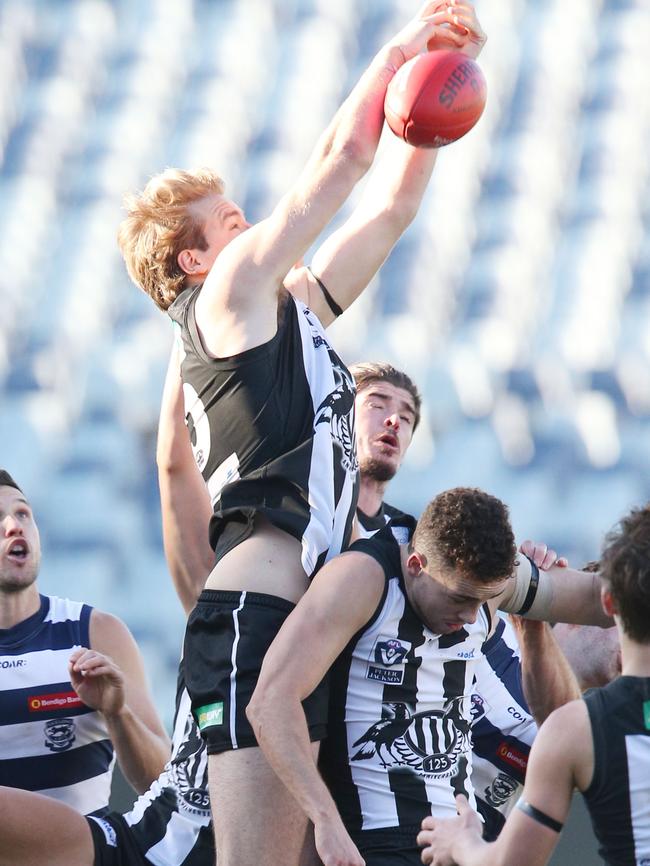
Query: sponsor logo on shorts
{"points": [[209, 715], [510, 755], [58, 701], [107, 829], [646, 722]]}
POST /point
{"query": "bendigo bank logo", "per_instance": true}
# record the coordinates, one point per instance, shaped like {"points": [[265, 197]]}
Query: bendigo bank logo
{"points": [[512, 756], [58, 701]]}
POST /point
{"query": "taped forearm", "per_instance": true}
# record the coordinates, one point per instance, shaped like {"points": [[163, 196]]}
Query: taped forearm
{"points": [[533, 591]]}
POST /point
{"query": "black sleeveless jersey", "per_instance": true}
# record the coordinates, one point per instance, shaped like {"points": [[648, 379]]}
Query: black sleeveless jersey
{"points": [[618, 797], [272, 431]]}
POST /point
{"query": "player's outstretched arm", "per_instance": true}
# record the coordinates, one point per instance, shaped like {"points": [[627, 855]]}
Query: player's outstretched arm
{"points": [[547, 678], [557, 595], [342, 598], [252, 267], [184, 499], [348, 260], [561, 758], [110, 677]]}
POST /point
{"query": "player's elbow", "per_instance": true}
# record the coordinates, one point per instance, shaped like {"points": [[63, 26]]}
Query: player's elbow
{"points": [[348, 158]]}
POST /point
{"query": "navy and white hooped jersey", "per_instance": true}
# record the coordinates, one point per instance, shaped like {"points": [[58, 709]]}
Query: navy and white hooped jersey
{"points": [[399, 746], [171, 823], [618, 797], [51, 742], [503, 729], [272, 431]]}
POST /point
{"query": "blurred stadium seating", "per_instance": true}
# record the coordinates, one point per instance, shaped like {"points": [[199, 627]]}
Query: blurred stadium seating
{"points": [[519, 300]]}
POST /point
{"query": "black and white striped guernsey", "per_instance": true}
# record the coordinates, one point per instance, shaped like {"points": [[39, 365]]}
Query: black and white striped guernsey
{"points": [[618, 797], [272, 430], [503, 728], [399, 746], [171, 823], [51, 742]]}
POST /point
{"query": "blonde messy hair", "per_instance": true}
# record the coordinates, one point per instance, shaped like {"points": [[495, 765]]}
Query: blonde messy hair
{"points": [[159, 225]]}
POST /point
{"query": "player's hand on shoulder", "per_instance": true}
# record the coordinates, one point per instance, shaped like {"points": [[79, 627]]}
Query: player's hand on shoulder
{"points": [[543, 556], [97, 680]]}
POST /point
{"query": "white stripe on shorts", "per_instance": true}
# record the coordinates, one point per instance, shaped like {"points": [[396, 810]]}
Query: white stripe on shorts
{"points": [[233, 672]]}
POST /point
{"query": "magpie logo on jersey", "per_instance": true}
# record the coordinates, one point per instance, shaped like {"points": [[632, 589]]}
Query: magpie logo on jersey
{"points": [[429, 743], [386, 662], [193, 796], [59, 734], [337, 410], [501, 790]]}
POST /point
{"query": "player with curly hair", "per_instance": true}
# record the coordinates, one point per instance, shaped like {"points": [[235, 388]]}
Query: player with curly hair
{"points": [[599, 744], [403, 626]]}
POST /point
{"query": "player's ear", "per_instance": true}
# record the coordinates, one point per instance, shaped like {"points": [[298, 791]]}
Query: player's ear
{"points": [[188, 262], [607, 601], [416, 562]]}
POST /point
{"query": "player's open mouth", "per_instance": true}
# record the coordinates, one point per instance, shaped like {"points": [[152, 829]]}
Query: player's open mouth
{"points": [[18, 551], [389, 439]]}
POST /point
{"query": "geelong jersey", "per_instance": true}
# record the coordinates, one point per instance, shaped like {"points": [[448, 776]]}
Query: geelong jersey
{"points": [[272, 430], [503, 729], [400, 744], [51, 742], [171, 822], [618, 797]]}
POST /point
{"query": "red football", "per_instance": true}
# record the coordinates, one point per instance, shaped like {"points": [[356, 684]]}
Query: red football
{"points": [[435, 98]]}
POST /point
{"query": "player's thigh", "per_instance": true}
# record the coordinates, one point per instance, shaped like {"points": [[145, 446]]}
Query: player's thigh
{"points": [[35, 830], [253, 811]]}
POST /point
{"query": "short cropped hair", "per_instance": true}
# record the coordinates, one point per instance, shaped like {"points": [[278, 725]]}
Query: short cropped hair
{"points": [[7, 481], [625, 566], [367, 372], [159, 225], [468, 530]]}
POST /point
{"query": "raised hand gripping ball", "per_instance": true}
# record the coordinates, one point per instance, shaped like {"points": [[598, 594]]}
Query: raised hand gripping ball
{"points": [[435, 98]]}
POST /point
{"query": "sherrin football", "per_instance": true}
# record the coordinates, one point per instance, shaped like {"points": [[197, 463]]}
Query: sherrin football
{"points": [[435, 98]]}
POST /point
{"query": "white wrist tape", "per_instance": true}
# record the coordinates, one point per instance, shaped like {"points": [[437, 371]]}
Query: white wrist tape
{"points": [[527, 582]]}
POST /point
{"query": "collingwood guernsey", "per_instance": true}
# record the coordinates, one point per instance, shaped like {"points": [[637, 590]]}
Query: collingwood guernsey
{"points": [[171, 825], [399, 747], [503, 728], [272, 431]]}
